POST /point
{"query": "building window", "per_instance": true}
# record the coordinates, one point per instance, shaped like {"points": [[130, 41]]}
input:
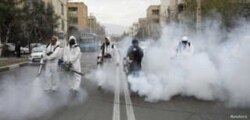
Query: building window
{"points": [[62, 9], [74, 20], [180, 7], [156, 21], [155, 12], [73, 9], [243, 1]]}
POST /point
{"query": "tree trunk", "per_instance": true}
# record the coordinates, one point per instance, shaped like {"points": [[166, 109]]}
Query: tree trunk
{"points": [[8, 33], [7, 36], [1, 47], [198, 15]]}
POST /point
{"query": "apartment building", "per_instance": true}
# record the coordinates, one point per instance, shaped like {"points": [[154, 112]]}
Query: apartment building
{"points": [[153, 21], [77, 15], [92, 23]]}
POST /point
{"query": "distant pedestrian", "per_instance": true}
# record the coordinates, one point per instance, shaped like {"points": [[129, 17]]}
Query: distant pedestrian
{"points": [[18, 49]]}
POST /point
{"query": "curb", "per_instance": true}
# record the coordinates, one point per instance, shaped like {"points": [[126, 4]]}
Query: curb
{"points": [[14, 66]]}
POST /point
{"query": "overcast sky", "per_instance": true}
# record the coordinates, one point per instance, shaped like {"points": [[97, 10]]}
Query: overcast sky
{"points": [[118, 14]]}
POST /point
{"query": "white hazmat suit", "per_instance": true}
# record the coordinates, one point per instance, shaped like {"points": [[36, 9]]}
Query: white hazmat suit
{"points": [[109, 50], [184, 48], [111, 59], [72, 54], [52, 55]]}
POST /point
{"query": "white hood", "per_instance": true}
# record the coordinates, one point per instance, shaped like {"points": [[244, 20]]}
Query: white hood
{"points": [[73, 37]]}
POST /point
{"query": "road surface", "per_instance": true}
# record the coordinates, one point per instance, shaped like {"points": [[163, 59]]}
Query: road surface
{"points": [[101, 105]]}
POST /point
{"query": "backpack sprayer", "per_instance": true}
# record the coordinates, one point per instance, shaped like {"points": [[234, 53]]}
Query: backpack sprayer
{"points": [[69, 68]]}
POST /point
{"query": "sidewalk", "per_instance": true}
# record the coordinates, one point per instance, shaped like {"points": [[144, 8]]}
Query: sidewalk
{"points": [[12, 62]]}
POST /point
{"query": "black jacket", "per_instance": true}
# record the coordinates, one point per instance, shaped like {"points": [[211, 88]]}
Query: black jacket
{"points": [[135, 53]]}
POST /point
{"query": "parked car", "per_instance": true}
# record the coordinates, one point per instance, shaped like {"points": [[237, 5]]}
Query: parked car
{"points": [[11, 46], [8, 49], [33, 45], [25, 50], [37, 53]]}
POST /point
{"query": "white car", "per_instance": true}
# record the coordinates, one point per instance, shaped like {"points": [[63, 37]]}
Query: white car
{"points": [[37, 54], [33, 45], [11, 46], [25, 50]]}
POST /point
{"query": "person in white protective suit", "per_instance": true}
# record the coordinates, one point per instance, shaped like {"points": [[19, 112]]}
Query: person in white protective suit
{"points": [[52, 55], [72, 55], [108, 52], [184, 47], [108, 57]]}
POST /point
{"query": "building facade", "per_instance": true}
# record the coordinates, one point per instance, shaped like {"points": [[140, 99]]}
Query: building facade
{"points": [[60, 8], [77, 15], [153, 14], [134, 29], [170, 10], [153, 21], [92, 23], [142, 28]]}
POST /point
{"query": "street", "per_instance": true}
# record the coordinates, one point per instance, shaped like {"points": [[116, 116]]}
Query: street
{"points": [[124, 59], [104, 105]]}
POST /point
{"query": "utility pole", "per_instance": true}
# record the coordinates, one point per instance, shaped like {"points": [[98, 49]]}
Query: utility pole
{"points": [[198, 16]]}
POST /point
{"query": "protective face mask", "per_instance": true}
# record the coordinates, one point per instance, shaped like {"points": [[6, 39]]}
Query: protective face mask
{"points": [[72, 42]]}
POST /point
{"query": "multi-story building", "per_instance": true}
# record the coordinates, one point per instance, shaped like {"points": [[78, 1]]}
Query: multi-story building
{"points": [[134, 29], [170, 10], [143, 29], [164, 11], [77, 15], [95, 27], [153, 14], [153, 21], [92, 23], [60, 8]]}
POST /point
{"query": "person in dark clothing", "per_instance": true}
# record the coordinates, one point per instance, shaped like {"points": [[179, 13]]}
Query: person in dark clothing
{"points": [[18, 49], [134, 55]]}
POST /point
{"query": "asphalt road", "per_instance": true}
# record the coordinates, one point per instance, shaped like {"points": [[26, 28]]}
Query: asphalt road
{"points": [[101, 105]]}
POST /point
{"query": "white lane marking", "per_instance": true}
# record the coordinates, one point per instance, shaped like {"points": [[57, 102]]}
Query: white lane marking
{"points": [[116, 107], [129, 105]]}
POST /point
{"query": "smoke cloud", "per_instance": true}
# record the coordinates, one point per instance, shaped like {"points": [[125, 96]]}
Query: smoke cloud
{"points": [[218, 69], [22, 96]]}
